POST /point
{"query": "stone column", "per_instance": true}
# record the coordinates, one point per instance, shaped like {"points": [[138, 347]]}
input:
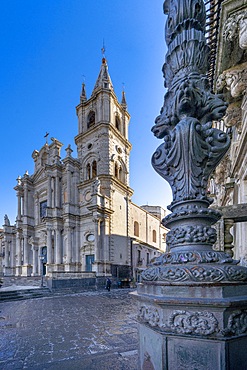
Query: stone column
{"points": [[18, 252], [96, 239], [7, 252], [192, 300], [49, 202], [25, 200], [58, 247], [12, 254], [19, 205], [57, 193], [36, 261], [68, 185], [69, 245], [26, 267], [49, 246]]}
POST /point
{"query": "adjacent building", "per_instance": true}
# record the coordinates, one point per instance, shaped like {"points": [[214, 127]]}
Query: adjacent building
{"points": [[75, 216], [228, 186]]}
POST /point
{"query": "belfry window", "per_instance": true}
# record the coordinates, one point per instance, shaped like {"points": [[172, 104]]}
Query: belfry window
{"points": [[94, 169], [88, 171], [91, 119], [117, 123]]}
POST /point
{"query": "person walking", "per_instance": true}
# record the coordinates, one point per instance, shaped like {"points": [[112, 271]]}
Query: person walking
{"points": [[108, 284]]}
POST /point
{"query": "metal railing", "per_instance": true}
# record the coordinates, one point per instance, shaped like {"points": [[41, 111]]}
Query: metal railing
{"points": [[213, 10]]}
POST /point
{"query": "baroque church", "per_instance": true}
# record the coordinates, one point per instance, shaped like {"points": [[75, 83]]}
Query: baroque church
{"points": [[75, 216]]}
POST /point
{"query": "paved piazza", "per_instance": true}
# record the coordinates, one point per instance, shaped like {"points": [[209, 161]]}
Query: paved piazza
{"points": [[90, 330]]}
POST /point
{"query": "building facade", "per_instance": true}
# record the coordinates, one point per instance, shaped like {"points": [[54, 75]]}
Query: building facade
{"points": [[228, 185], [75, 215]]}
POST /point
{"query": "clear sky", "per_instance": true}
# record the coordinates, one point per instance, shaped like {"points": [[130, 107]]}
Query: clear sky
{"points": [[48, 47]]}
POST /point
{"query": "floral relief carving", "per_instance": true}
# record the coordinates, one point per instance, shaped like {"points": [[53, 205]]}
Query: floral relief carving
{"points": [[149, 315], [237, 323], [180, 321], [201, 323], [203, 273]]}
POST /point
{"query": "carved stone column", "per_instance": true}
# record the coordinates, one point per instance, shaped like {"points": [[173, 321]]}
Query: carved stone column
{"points": [[26, 267], [19, 205], [192, 300], [49, 246], [18, 252], [49, 201], [35, 250]]}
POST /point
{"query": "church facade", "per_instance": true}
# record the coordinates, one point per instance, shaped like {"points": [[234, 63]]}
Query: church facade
{"points": [[75, 215]]}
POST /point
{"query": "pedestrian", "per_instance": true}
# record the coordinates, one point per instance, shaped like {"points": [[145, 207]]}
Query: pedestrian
{"points": [[108, 284]]}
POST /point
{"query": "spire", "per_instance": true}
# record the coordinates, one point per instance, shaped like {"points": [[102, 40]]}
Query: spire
{"points": [[83, 96], [123, 101], [104, 79]]}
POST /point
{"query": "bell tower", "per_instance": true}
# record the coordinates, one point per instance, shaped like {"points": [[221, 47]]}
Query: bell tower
{"points": [[102, 141], [103, 152]]}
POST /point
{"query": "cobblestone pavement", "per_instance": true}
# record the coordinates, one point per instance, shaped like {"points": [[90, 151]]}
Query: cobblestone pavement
{"points": [[88, 331]]}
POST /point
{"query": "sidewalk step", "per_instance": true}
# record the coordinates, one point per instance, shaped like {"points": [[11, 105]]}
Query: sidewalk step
{"points": [[11, 295]]}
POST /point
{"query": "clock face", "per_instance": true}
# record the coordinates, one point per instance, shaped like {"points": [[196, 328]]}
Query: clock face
{"points": [[90, 237], [88, 196]]}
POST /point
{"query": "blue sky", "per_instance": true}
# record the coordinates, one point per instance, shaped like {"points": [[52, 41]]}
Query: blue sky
{"points": [[47, 48]]}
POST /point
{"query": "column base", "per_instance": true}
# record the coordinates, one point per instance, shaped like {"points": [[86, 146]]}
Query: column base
{"points": [[192, 326], [9, 271], [18, 270], [26, 270], [70, 267]]}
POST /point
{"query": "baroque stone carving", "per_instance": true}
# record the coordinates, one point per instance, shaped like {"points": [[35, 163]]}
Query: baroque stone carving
{"points": [[149, 315], [180, 321], [191, 150], [204, 273], [236, 27], [233, 116], [237, 323], [201, 323], [235, 80]]}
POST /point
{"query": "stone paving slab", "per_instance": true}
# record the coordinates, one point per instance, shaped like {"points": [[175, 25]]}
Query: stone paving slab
{"points": [[88, 331]]}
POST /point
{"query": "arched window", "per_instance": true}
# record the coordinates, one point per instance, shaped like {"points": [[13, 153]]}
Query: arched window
{"points": [[116, 170], [117, 123], [136, 228], [94, 169], [120, 174], [88, 171], [91, 119], [154, 236]]}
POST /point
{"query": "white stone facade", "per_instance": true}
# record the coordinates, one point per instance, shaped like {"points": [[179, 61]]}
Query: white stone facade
{"points": [[75, 215]]}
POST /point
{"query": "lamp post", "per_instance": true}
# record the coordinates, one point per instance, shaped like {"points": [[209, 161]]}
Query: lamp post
{"points": [[42, 257]]}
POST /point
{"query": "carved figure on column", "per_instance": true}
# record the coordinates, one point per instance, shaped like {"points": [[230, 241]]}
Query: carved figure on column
{"points": [[191, 150]]}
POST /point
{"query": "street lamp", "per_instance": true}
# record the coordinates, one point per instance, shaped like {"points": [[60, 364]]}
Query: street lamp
{"points": [[42, 257]]}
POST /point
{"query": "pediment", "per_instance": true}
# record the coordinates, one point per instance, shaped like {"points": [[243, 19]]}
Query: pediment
{"points": [[39, 175]]}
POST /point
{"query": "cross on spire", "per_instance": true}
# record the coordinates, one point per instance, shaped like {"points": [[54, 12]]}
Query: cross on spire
{"points": [[103, 49], [46, 136]]}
